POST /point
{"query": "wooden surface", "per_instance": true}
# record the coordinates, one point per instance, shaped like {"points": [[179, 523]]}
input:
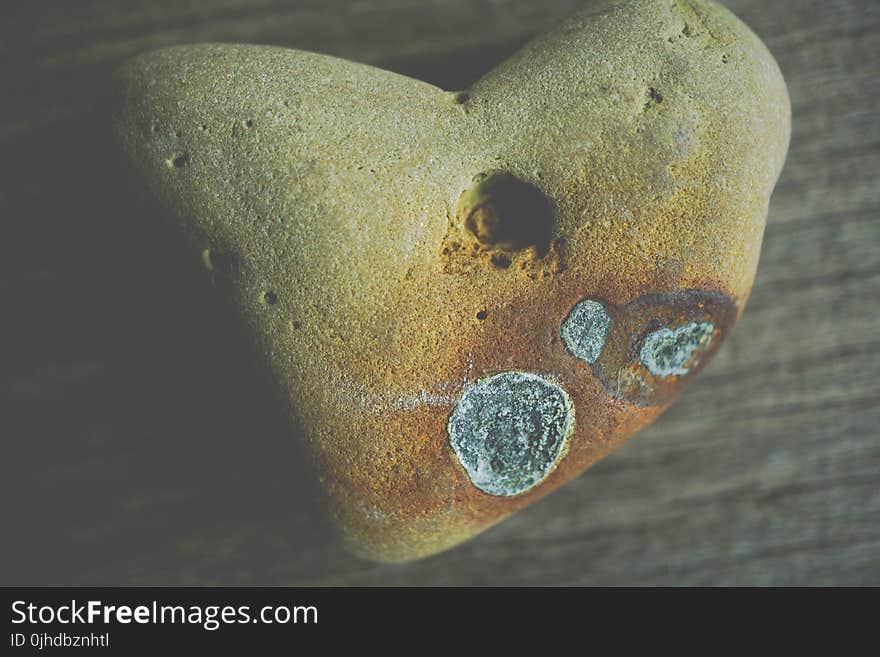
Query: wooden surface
{"points": [[135, 450]]}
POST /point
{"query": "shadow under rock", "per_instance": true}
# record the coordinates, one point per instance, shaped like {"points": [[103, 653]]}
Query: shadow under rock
{"points": [[148, 443], [455, 70], [140, 428]]}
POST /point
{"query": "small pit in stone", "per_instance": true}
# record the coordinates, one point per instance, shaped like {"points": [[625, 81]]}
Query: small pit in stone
{"points": [[177, 161], [500, 260], [483, 314], [270, 298], [654, 97], [505, 213]]}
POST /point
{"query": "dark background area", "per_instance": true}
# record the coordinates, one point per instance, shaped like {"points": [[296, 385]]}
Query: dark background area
{"points": [[136, 449]]}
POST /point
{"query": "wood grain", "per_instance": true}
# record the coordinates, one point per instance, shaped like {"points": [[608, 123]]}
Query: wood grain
{"points": [[130, 453]]}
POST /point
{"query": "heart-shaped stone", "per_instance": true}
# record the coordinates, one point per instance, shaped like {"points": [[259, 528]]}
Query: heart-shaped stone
{"points": [[468, 298]]}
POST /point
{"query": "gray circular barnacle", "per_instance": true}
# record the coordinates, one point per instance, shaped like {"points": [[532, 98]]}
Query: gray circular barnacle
{"points": [[670, 352], [509, 431], [585, 330]]}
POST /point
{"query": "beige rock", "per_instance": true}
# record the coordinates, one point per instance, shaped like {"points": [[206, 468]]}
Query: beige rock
{"points": [[465, 299]]}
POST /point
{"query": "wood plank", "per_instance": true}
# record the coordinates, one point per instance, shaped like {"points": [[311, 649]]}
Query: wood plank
{"points": [[128, 454]]}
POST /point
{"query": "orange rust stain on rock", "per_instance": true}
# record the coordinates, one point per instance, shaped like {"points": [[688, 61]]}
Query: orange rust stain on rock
{"points": [[408, 495]]}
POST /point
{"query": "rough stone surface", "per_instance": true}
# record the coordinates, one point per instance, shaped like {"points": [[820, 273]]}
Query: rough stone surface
{"points": [[322, 198]]}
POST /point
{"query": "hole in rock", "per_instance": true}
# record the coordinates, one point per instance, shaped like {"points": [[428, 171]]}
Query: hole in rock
{"points": [[505, 213], [178, 161]]}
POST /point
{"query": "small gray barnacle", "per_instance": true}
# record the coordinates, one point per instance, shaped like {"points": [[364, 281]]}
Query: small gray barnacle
{"points": [[509, 431], [669, 352], [585, 330]]}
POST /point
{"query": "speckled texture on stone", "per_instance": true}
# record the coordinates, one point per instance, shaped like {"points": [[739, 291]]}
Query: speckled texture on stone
{"points": [[670, 351], [509, 430], [321, 196], [585, 329]]}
